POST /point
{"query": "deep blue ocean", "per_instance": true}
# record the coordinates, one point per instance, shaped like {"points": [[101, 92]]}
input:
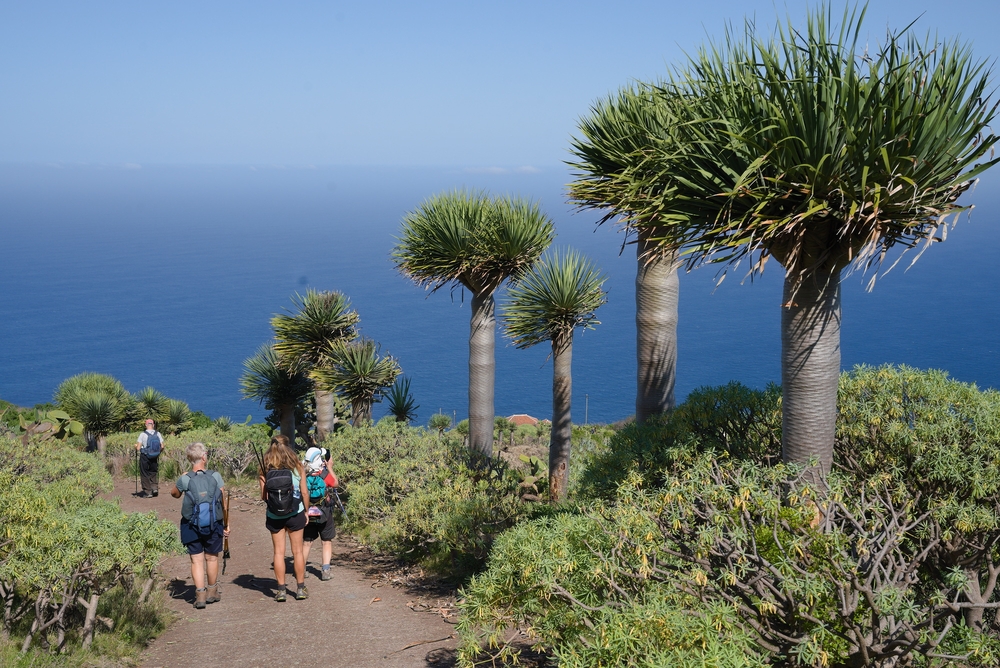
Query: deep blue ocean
{"points": [[168, 276]]}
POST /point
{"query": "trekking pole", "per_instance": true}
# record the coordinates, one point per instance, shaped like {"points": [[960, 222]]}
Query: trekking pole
{"points": [[136, 472], [225, 541], [339, 502]]}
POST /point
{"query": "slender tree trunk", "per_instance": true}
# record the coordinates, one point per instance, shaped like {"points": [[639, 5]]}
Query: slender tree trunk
{"points": [[287, 417], [90, 621], [560, 440], [482, 372], [656, 294], [325, 414], [102, 443], [810, 371], [361, 412]]}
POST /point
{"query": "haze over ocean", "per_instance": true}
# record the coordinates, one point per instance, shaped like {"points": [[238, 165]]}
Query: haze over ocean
{"points": [[168, 276]]}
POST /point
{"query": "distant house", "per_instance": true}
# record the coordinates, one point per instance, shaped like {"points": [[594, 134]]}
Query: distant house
{"points": [[522, 418]]}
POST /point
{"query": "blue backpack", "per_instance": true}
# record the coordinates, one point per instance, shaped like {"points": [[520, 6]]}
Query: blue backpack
{"points": [[153, 445], [205, 497]]}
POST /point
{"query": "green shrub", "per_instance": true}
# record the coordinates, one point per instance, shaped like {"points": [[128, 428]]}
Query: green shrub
{"points": [[923, 436], [558, 579], [230, 451], [731, 419], [424, 497], [694, 521], [61, 546]]}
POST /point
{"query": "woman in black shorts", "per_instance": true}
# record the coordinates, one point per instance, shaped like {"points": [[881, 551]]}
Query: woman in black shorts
{"points": [[280, 456]]}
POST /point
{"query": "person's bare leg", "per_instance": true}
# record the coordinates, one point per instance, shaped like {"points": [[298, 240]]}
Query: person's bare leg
{"points": [[212, 567], [327, 552], [298, 557], [279, 556], [306, 549], [198, 570]]}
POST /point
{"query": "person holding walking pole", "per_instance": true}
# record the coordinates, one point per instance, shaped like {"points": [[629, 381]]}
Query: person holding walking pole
{"points": [[150, 446]]}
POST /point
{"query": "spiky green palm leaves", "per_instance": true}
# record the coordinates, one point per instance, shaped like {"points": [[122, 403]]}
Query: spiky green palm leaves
{"points": [[611, 157], [320, 320], [560, 293], [816, 149], [150, 404], [360, 374], [400, 401], [473, 241], [99, 402], [178, 417], [270, 383]]}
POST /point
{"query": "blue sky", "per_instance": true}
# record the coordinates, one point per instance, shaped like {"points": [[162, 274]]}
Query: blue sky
{"points": [[476, 84]]}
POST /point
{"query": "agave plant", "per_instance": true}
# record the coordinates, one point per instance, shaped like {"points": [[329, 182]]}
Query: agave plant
{"points": [[559, 294], [359, 374], [150, 404], [320, 320], [99, 402], [270, 383], [400, 400], [178, 417], [471, 241], [100, 413], [222, 423]]}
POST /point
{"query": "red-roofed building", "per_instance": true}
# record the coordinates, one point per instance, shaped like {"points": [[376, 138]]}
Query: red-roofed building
{"points": [[522, 418]]}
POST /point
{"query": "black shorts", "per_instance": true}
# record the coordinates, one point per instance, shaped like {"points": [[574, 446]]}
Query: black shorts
{"points": [[325, 531], [293, 523], [197, 543]]}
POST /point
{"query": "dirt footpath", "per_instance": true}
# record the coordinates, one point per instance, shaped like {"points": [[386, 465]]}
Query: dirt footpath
{"points": [[350, 621]]}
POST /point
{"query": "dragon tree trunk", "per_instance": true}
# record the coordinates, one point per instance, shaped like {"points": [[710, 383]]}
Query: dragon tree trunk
{"points": [[656, 295], [810, 370], [325, 414], [560, 440], [482, 372], [286, 414]]}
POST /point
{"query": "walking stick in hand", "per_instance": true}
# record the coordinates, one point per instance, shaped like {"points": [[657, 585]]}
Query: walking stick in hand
{"points": [[137, 472], [225, 541]]}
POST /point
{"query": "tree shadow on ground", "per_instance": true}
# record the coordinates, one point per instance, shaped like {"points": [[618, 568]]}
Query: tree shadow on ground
{"points": [[180, 589], [443, 657], [267, 586]]}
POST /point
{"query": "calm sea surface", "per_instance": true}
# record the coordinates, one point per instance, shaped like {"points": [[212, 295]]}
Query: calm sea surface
{"points": [[168, 276]]}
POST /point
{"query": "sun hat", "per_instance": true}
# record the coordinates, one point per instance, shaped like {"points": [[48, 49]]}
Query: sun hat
{"points": [[314, 459]]}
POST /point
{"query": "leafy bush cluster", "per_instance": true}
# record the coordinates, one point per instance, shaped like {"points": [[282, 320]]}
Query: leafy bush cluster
{"points": [[424, 496], [693, 547], [64, 552]]}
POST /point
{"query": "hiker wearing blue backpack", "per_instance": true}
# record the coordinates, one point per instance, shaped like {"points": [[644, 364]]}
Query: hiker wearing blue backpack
{"points": [[202, 526], [320, 480], [150, 446]]}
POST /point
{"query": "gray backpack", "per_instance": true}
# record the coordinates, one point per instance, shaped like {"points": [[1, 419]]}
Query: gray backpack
{"points": [[205, 497]]}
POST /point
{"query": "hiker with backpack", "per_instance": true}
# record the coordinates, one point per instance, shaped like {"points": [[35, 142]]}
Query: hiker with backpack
{"points": [[149, 445], [283, 487], [202, 525], [320, 480]]}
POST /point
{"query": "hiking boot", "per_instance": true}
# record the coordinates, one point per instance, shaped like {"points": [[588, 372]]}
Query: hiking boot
{"points": [[279, 596], [214, 596], [201, 596], [301, 593], [155, 494], [326, 575]]}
